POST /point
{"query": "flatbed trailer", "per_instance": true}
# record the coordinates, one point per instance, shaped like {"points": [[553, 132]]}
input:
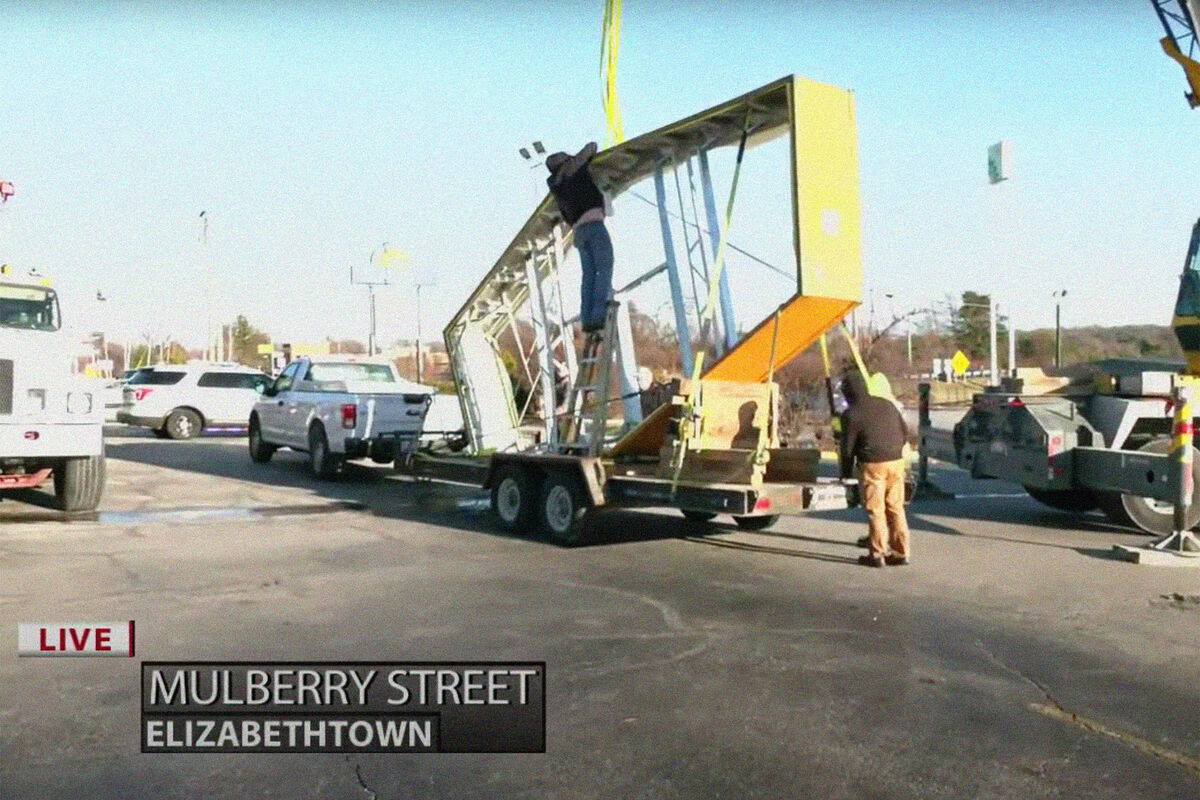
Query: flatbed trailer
{"points": [[556, 493]]}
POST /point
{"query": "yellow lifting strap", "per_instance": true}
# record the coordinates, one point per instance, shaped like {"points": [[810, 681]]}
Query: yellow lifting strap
{"points": [[862, 368], [610, 40], [710, 308]]}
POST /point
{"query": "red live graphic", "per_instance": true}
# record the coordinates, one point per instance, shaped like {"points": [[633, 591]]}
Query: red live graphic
{"points": [[75, 639]]}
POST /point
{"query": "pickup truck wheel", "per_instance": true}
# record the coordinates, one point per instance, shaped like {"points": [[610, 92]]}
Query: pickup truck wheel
{"points": [[182, 423], [79, 483], [760, 523], [260, 451], [513, 496], [562, 510], [324, 464]]}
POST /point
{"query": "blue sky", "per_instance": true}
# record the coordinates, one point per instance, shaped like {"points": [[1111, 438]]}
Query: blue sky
{"points": [[311, 133]]}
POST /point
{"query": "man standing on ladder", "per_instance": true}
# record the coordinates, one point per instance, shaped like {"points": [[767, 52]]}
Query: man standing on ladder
{"points": [[582, 206]]}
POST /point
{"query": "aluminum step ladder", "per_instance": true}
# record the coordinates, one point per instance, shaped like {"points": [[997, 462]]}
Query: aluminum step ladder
{"points": [[587, 405]]}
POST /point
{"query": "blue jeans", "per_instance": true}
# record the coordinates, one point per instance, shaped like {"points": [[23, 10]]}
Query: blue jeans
{"points": [[596, 258]]}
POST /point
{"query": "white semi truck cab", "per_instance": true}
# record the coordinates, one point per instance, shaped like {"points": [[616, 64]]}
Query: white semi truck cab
{"points": [[51, 424]]}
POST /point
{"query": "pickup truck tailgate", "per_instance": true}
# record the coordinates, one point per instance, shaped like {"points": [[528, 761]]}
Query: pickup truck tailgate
{"points": [[391, 413]]}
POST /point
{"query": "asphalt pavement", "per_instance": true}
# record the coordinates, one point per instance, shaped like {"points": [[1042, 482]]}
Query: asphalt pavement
{"points": [[1013, 658]]}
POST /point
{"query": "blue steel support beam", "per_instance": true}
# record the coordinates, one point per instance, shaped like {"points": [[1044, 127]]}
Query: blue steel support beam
{"points": [[681, 323], [714, 231]]}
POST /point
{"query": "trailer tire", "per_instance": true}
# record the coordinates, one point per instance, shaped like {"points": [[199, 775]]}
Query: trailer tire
{"points": [[1075, 500], [514, 493], [1152, 516], [757, 523], [79, 483], [562, 509]]}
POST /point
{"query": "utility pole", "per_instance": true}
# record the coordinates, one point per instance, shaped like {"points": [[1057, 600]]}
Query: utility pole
{"points": [[371, 284]]}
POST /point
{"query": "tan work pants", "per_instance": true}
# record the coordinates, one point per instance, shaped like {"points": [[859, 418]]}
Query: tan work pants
{"points": [[882, 485]]}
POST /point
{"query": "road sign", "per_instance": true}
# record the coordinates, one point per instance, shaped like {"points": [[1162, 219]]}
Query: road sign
{"points": [[266, 349], [960, 362]]}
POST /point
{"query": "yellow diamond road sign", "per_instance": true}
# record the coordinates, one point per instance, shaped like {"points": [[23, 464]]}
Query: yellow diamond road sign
{"points": [[960, 362]]}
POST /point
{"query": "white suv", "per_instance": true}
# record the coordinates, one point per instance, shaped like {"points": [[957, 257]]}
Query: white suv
{"points": [[179, 401]]}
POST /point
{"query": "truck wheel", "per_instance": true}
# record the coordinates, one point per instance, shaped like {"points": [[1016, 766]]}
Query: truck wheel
{"points": [[698, 516], [760, 523], [1077, 500], [1155, 517], [513, 498], [325, 465], [562, 510], [79, 483], [182, 423], [260, 451], [160, 433]]}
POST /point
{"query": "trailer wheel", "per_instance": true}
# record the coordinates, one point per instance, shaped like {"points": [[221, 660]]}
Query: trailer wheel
{"points": [[699, 516], [562, 509], [513, 498], [759, 523], [1155, 517], [79, 483], [1076, 500]]}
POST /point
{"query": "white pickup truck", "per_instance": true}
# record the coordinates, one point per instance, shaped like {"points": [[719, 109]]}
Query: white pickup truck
{"points": [[337, 408], [51, 423]]}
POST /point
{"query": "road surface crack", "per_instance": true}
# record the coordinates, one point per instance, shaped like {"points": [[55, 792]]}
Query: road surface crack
{"points": [[358, 774], [1056, 710]]}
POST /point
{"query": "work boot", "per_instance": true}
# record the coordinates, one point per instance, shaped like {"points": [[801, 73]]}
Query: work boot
{"points": [[896, 561], [863, 541], [871, 561]]}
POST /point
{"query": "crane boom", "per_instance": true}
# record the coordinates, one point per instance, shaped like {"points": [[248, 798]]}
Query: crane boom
{"points": [[1178, 18]]}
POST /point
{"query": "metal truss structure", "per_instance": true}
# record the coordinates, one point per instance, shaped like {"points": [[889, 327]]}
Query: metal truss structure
{"points": [[523, 288]]}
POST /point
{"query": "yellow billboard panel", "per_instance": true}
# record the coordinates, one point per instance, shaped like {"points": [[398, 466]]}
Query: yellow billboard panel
{"points": [[825, 179]]}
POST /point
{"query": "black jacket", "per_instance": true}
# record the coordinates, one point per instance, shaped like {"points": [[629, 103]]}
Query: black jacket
{"points": [[573, 187], [873, 429]]}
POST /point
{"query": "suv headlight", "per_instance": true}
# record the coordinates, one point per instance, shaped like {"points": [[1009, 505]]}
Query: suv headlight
{"points": [[79, 402]]}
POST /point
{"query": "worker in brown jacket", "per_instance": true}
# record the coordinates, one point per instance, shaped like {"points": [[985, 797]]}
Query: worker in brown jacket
{"points": [[873, 435]]}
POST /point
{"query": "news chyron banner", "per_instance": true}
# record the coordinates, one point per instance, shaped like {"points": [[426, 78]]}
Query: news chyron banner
{"points": [[351, 707]]}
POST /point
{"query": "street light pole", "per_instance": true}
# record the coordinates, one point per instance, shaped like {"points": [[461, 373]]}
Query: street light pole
{"points": [[1058, 296], [994, 362], [539, 150]]}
